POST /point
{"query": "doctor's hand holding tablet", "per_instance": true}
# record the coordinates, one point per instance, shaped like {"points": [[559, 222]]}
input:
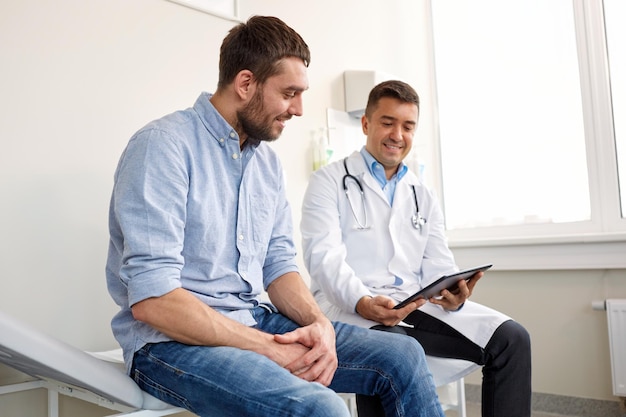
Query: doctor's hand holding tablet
{"points": [[450, 292]]}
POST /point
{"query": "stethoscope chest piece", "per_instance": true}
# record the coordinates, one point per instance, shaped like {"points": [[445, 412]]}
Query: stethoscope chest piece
{"points": [[418, 221]]}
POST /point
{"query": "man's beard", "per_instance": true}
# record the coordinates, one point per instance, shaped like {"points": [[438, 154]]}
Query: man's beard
{"points": [[254, 123]]}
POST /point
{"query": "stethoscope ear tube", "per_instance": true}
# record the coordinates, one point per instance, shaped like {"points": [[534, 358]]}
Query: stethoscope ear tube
{"points": [[417, 220], [344, 180]]}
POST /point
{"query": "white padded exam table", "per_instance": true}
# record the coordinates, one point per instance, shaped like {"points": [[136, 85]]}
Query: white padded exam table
{"points": [[64, 369]]}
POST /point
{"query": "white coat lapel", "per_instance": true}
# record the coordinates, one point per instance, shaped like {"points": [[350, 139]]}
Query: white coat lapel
{"points": [[370, 185]]}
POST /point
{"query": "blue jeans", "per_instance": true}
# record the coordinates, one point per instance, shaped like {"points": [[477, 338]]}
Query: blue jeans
{"points": [[225, 381]]}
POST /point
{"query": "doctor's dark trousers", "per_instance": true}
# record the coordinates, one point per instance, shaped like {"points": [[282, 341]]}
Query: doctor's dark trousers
{"points": [[506, 361]]}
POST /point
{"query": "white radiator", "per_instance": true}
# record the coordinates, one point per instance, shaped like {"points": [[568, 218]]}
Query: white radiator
{"points": [[616, 317]]}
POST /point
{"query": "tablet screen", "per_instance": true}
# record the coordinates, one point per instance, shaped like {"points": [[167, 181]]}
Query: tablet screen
{"points": [[445, 282]]}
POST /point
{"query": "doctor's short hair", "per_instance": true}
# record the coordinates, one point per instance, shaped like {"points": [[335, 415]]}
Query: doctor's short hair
{"points": [[394, 89]]}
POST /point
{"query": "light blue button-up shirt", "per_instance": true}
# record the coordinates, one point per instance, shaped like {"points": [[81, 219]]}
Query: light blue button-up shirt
{"points": [[190, 209], [378, 172]]}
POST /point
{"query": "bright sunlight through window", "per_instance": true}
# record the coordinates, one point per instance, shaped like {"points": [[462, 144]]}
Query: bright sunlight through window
{"points": [[510, 113]]}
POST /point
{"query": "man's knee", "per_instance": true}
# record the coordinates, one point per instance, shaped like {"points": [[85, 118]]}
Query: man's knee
{"points": [[397, 349], [325, 403]]}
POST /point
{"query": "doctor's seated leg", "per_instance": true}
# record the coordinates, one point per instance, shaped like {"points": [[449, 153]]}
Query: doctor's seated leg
{"points": [[507, 372], [506, 361]]}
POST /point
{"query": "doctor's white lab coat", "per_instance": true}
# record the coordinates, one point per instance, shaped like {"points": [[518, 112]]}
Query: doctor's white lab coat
{"points": [[388, 257]]}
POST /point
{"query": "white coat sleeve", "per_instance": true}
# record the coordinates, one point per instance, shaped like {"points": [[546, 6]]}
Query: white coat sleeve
{"points": [[437, 259], [323, 248]]}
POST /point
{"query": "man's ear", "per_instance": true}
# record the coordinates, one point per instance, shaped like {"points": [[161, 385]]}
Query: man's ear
{"points": [[245, 84], [364, 124]]}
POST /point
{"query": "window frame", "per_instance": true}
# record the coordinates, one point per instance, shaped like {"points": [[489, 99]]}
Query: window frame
{"points": [[596, 244]]}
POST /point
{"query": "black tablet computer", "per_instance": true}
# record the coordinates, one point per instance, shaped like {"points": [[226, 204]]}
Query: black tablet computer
{"points": [[448, 282]]}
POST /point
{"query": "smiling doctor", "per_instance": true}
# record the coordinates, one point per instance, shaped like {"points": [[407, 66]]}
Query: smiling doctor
{"points": [[373, 235]]}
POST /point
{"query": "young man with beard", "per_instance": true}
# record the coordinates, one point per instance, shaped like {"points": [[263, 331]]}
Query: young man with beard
{"points": [[200, 226]]}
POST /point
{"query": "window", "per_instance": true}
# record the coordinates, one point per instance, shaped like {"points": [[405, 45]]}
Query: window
{"points": [[615, 13], [529, 156]]}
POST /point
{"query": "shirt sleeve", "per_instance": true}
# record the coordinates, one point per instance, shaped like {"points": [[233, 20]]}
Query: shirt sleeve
{"points": [[438, 259], [149, 203], [323, 248], [281, 250]]}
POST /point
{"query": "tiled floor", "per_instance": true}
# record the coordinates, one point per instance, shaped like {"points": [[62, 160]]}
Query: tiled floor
{"points": [[473, 410]]}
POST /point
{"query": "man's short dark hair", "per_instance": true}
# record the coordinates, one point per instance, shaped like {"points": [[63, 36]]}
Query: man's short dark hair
{"points": [[259, 45]]}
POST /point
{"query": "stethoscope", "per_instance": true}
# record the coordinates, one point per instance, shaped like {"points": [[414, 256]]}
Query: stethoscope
{"points": [[416, 219]]}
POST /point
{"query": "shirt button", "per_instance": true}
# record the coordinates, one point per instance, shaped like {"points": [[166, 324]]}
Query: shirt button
{"points": [[235, 155], [240, 237], [221, 140], [232, 134]]}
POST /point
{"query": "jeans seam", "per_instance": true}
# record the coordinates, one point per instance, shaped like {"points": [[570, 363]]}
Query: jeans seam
{"points": [[388, 377], [158, 387], [165, 392]]}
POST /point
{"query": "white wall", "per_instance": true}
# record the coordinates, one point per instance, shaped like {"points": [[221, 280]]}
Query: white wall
{"points": [[78, 78]]}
